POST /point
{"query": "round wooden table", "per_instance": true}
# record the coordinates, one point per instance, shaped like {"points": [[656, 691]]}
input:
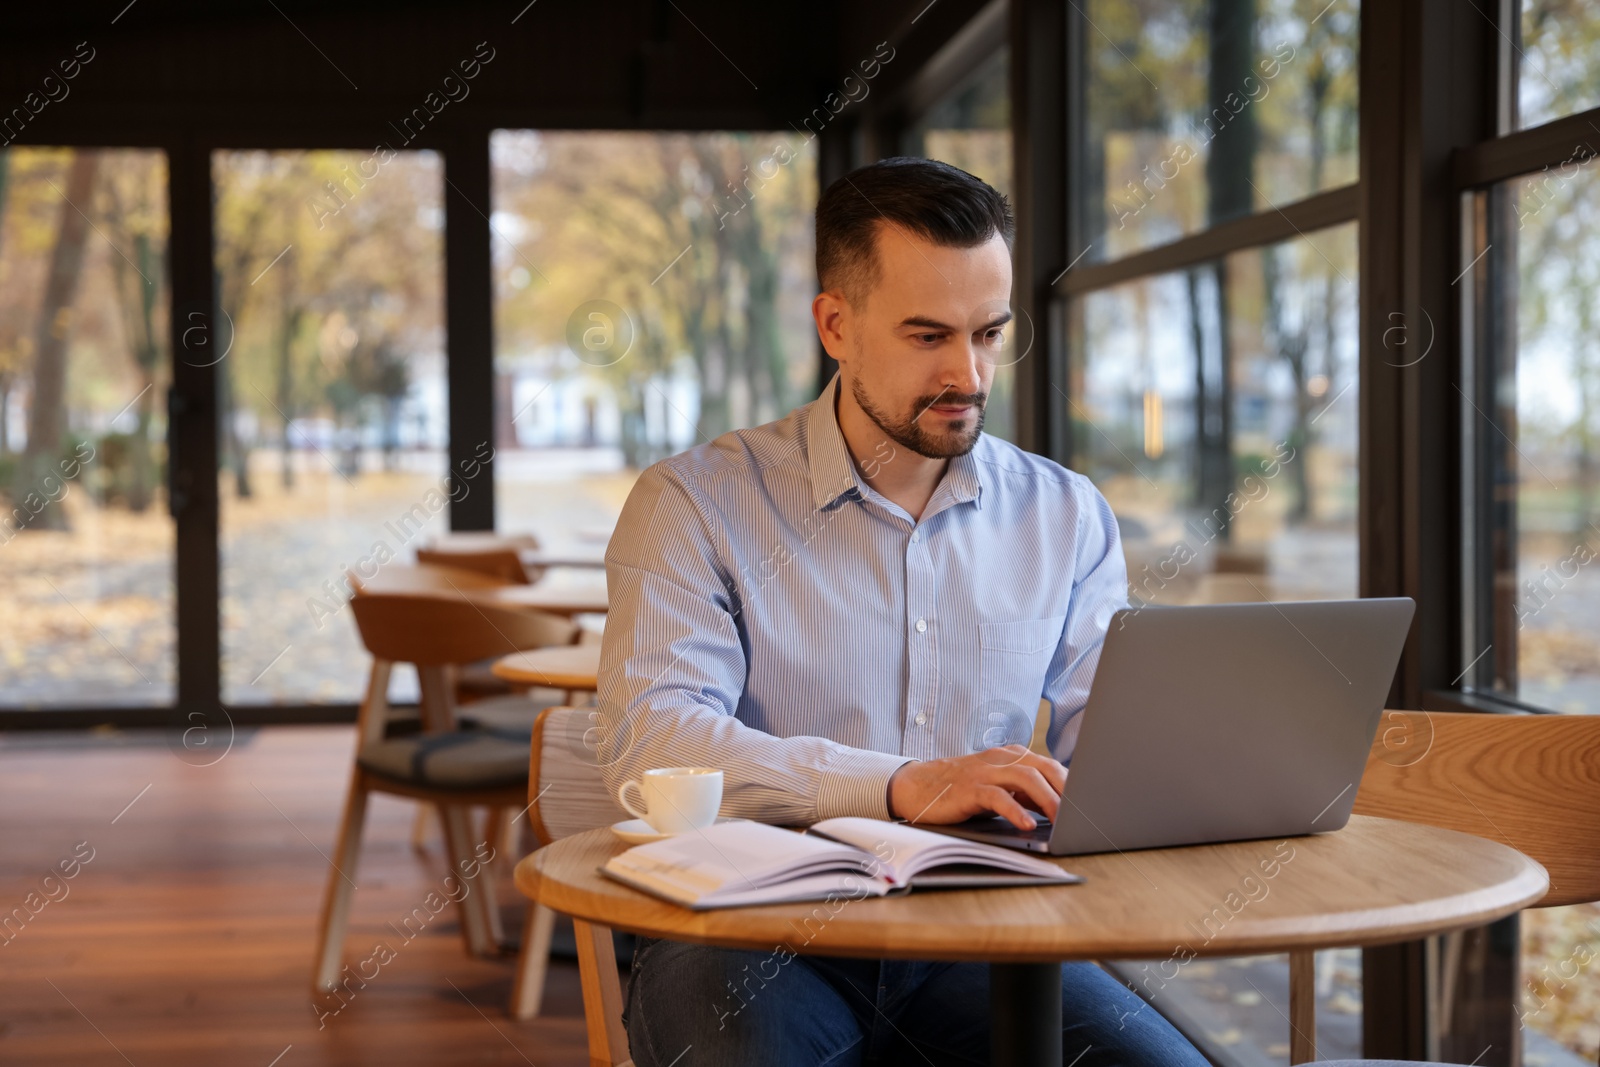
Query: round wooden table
{"points": [[556, 599], [573, 667], [1374, 882]]}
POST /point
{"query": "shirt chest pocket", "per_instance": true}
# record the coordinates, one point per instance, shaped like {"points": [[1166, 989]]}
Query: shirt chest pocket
{"points": [[1013, 659]]}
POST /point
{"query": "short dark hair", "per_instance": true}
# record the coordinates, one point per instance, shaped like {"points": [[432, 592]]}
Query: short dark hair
{"points": [[934, 200]]}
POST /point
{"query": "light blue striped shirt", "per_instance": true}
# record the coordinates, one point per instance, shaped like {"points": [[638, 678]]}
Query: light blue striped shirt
{"points": [[775, 616]]}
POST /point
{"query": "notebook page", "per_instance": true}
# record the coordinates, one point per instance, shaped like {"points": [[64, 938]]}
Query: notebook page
{"points": [[731, 858], [901, 851]]}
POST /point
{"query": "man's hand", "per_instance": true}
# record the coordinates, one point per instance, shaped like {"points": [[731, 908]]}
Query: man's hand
{"points": [[1006, 781]]}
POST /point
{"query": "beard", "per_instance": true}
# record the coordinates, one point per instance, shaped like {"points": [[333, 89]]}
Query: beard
{"points": [[907, 430]]}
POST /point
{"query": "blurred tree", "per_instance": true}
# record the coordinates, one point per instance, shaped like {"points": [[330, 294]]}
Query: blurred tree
{"points": [[10, 362], [47, 413], [331, 272], [703, 240], [132, 206]]}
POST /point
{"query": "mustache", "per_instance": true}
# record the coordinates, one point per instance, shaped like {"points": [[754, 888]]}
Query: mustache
{"points": [[977, 400]]}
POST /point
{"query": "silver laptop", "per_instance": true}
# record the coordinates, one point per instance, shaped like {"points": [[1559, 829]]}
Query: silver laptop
{"points": [[1221, 722]]}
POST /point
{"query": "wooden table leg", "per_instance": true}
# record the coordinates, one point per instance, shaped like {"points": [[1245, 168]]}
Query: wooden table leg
{"points": [[1025, 1014], [1302, 1006]]}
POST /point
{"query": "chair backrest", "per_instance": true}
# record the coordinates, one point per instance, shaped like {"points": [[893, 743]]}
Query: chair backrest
{"points": [[566, 791], [423, 578], [1528, 781], [434, 630], [503, 564]]}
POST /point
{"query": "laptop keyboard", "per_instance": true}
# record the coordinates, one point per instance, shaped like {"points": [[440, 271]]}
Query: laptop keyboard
{"points": [[998, 827]]}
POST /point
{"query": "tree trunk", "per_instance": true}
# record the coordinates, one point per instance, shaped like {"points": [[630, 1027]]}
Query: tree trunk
{"points": [[147, 354], [234, 454], [289, 326], [1229, 171], [47, 414]]}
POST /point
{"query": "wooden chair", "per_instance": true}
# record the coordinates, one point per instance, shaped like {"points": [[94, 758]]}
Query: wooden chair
{"points": [[472, 683], [493, 555], [568, 796], [1528, 781], [444, 765]]}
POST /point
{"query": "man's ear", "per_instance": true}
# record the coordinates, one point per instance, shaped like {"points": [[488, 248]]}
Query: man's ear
{"points": [[832, 313]]}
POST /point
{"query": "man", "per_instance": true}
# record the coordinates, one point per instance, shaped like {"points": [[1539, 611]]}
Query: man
{"points": [[856, 610]]}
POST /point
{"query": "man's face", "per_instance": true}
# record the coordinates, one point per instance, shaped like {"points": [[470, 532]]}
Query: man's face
{"points": [[918, 353]]}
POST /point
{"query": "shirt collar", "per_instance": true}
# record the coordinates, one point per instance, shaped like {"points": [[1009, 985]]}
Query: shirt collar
{"points": [[833, 472]]}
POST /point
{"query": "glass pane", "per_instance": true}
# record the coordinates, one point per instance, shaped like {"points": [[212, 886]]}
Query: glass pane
{"points": [[1217, 410], [652, 291], [1542, 434], [86, 540], [1560, 1011], [1556, 63], [1236, 1008], [970, 128], [1199, 111], [332, 402]]}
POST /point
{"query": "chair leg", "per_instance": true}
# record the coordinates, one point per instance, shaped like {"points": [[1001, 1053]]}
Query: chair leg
{"points": [[1302, 1006], [494, 827], [488, 893], [602, 994], [421, 825], [474, 920], [336, 901], [527, 994], [510, 843]]}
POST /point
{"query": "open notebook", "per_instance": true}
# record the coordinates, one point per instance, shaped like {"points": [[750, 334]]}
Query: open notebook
{"points": [[739, 863]]}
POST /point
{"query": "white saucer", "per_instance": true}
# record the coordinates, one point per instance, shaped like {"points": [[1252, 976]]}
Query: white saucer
{"points": [[639, 832]]}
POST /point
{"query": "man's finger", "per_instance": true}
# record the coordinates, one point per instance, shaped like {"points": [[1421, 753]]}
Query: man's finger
{"points": [[1053, 771], [1032, 784], [1003, 804]]}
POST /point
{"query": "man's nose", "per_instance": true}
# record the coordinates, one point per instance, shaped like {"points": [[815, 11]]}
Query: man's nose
{"points": [[963, 371]]}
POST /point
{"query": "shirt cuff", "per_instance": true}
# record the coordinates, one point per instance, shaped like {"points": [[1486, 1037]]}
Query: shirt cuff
{"points": [[857, 783]]}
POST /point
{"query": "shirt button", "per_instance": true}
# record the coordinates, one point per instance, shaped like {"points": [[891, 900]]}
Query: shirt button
{"points": [[922, 626], [916, 536], [921, 719]]}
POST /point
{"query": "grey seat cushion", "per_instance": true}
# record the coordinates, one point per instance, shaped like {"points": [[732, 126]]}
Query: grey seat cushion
{"points": [[460, 759], [508, 714]]}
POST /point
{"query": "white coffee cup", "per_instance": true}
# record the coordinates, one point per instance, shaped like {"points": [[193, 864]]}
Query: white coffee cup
{"points": [[676, 799]]}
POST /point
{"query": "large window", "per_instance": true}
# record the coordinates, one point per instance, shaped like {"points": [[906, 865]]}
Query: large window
{"points": [[1202, 111], [1537, 427], [1554, 57], [86, 540], [332, 403], [1212, 382], [1215, 407], [1529, 410], [652, 291]]}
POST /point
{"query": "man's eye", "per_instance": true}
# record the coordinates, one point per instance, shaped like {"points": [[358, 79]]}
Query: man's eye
{"points": [[928, 338]]}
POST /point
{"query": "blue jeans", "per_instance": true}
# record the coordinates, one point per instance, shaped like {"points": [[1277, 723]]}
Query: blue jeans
{"points": [[695, 1006]]}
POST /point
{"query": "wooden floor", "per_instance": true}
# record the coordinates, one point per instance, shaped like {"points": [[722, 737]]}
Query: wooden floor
{"points": [[187, 937]]}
